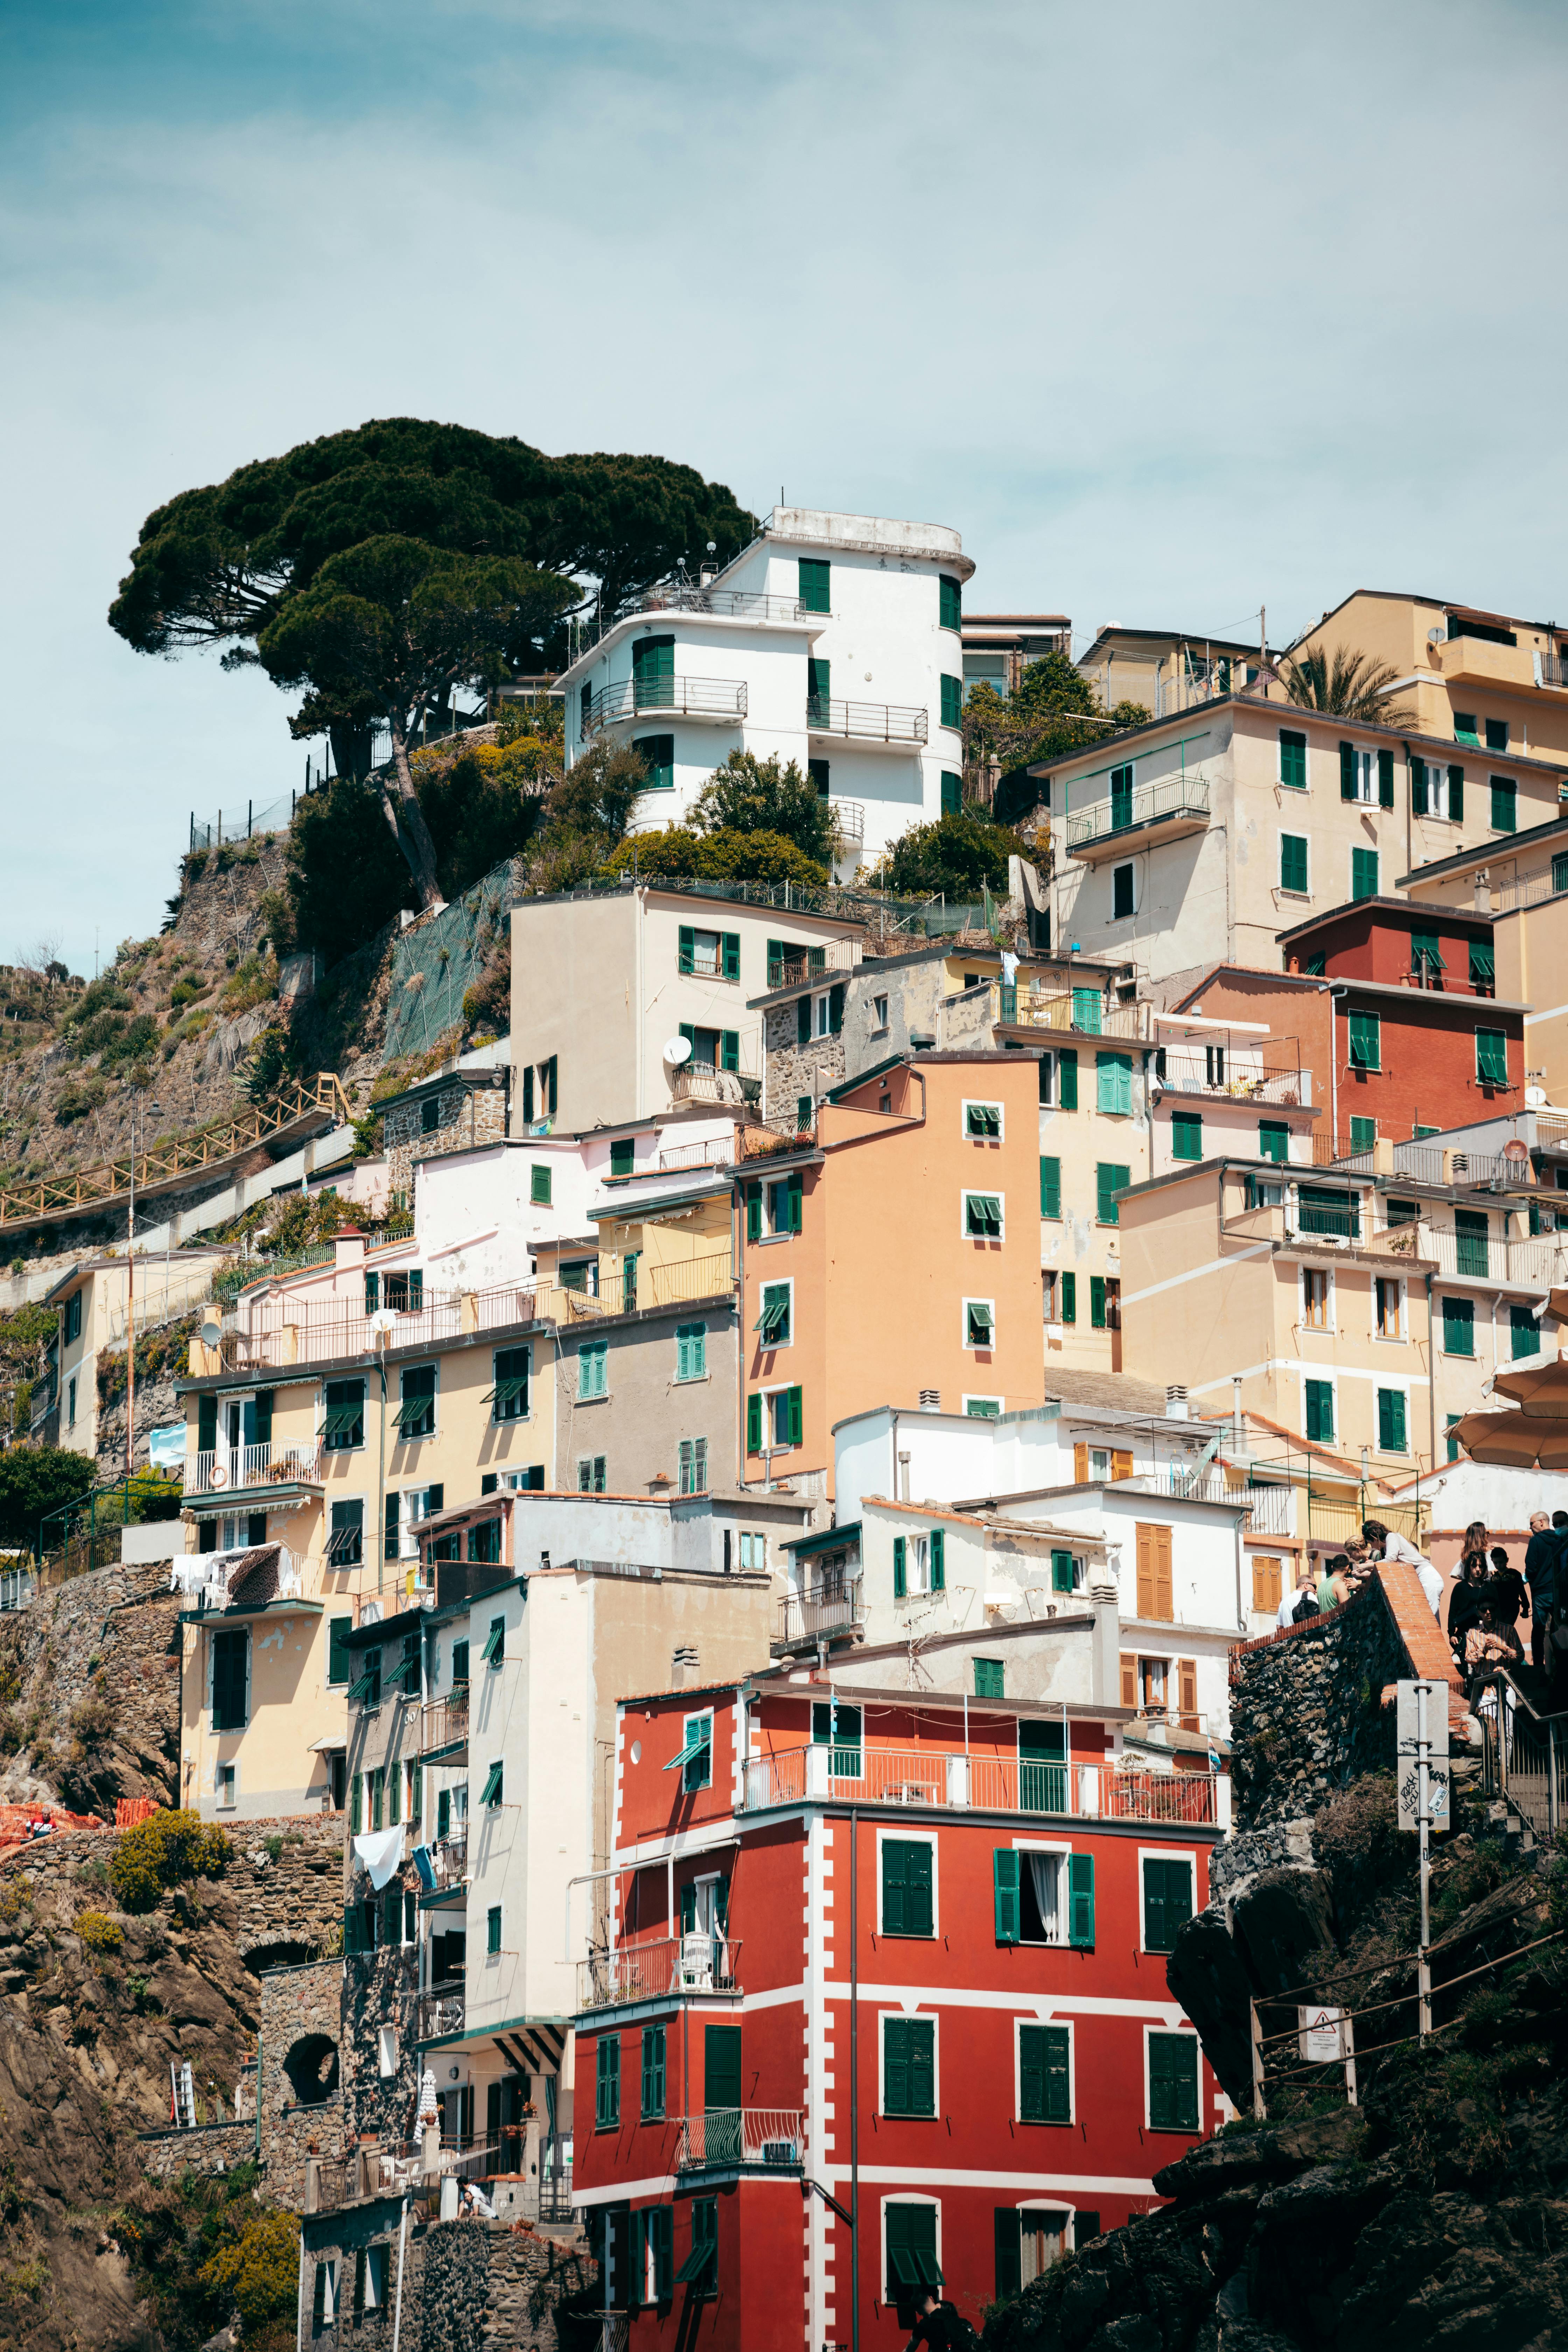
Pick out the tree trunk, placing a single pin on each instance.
(406, 819)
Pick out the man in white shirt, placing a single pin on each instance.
(1305, 1590)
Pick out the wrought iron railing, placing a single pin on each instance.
(441, 2010)
(1167, 798)
(996, 1783)
(675, 697)
(232, 1468)
(695, 1962)
(830, 1607)
(445, 1724)
(867, 722)
(727, 2135)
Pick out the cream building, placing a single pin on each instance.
(100, 1300)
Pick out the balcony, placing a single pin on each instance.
(1083, 1010)
(1538, 1265)
(444, 1870)
(444, 1728)
(935, 1776)
(1222, 1077)
(440, 2011)
(824, 1612)
(826, 963)
(695, 1962)
(1163, 811)
(242, 1469)
(729, 2137)
(719, 1152)
(1271, 1508)
(849, 817)
(719, 701)
(670, 1283)
(894, 724)
(712, 603)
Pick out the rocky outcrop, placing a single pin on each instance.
(89, 1680)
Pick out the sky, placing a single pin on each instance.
(1173, 313)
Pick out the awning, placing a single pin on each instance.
(368, 1682)
(826, 1539)
(491, 1793)
(511, 1391)
(330, 1747)
(495, 1640)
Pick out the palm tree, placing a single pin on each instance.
(1347, 686)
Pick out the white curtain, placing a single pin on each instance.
(1045, 1875)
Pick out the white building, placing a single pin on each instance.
(833, 640)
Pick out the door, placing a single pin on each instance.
(653, 673)
(1120, 798)
(1042, 1769)
(721, 2093)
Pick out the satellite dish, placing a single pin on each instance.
(678, 1050)
(1535, 1098)
(1515, 1149)
(211, 1333)
(1437, 636)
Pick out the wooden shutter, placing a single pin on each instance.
(1347, 772)
(920, 2043)
(1005, 1892)
(1128, 1680)
(1385, 779)
(898, 1577)
(688, 957)
(753, 1212)
(1062, 1572)
(1080, 1901)
(793, 1416)
(1120, 1464)
(1154, 1585)
(1031, 2074)
(917, 1889)
(895, 2066)
(937, 1561)
(1058, 2086)
(1418, 793)
(1145, 1602)
(1267, 1581)
(1067, 1289)
(1187, 1692)
(1066, 1079)
(1050, 1187)
(754, 1424)
(1080, 1465)
(1456, 794)
(731, 954)
(792, 1200)
(720, 2066)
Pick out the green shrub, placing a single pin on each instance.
(185, 991)
(99, 1932)
(261, 2271)
(168, 1848)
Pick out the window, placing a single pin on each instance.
(346, 1544)
(709, 955)
(978, 1323)
(1524, 1332)
(70, 1403)
(1050, 1188)
(1122, 895)
(774, 1324)
(1390, 1317)
(1268, 1576)
(815, 583)
(1274, 1141)
(508, 1397)
(952, 701)
(1505, 805)
(913, 2264)
(909, 2065)
(591, 1474)
(1390, 1421)
(417, 1408)
(700, 2271)
(623, 1155)
(1064, 1570)
(696, 1756)
(694, 1466)
(1364, 874)
(1293, 866)
(1113, 1084)
(691, 1351)
(1320, 1411)
(950, 603)
(1458, 1326)
(951, 793)
(338, 1630)
(1155, 1588)
(495, 1781)
(818, 690)
(982, 1216)
(821, 775)
(983, 1121)
(1472, 1256)
(539, 1185)
(73, 1317)
(658, 756)
(1437, 791)
(325, 2303)
(979, 1408)
(919, 1564)
(652, 2072)
(1315, 1299)
(653, 673)
(1067, 1299)
(492, 1930)
(607, 2084)
(1292, 760)
(593, 1369)
(1067, 1079)
(1109, 1178)
(783, 1208)
(1045, 2091)
(1121, 797)
(342, 1425)
(1496, 734)
(1366, 1040)
(430, 1114)
(906, 1904)
(1186, 1135)
(838, 1728)
(1167, 1902)
(1174, 2082)
(494, 1652)
(226, 1786)
(1491, 1057)
(988, 1678)
(1483, 968)
(1356, 774)
(753, 1551)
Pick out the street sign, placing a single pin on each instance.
(1320, 2038)
(1409, 1717)
(1410, 1794)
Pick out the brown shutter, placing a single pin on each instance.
(1187, 1692)
(1080, 1465)
(1266, 1580)
(1121, 1466)
(1164, 1590)
(1145, 1569)
(1128, 1681)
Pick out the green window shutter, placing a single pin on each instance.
(1274, 1141)
(1390, 1421)
(1113, 1083)
(793, 1201)
(686, 962)
(660, 2225)
(1067, 1289)
(937, 1561)
(1364, 874)
(1109, 1178)
(730, 1049)
(494, 1781)
(1364, 1134)
(1524, 1332)
(607, 2082)
(1174, 2082)
(539, 1187)
(1004, 1890)
(1293, 862)
(1320, 1412)
(731, 941)
(1043, 2074)
(1472, 1255)
(1009, 2252)
(1505, 805)
(1061, 1572)
(816, 585)
(952, 701)
(1456, 794)
(906, 1887)
(1088, 1005)
(1385, 779)
(835, 1009)
(951, 793)
(818, 683)
(803, 1021)
(653, 2071)
(1491, 1057)
(722, 2068)
(1097, 1302)
(950, 603)
(1167, 1902)
(1066, 1079)
(1347, 772)
(895, 2066)
(1366, 1040)
(753, 1212)
(1187, 1135)
(754, 1424)
(1292, 760)
(1080, 1902)
(338, 1630)
(356, 1804)
(793, 1417)
(1483, 964)
(494, 1651)
(1420, 798)
(1050, 1187)
(899, 1573)
(990, 1680)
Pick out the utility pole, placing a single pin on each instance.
(1423, 1793)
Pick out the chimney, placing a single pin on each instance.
(930, 1400)
(683, 1669)
(903, 1478)
(1176, 1402)
(1105, 1657)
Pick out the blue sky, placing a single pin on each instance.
(1171, 312)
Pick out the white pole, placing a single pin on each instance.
(397, 2308)
(1423, 1970)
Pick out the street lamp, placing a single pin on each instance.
(138, 1096)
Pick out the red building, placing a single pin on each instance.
(1420, 1042)
(899, 1961)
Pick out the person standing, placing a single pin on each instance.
(1540, 1564)
(1506, 1592)
(1294, 1610)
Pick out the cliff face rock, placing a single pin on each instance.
(90, 1692)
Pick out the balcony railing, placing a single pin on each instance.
(1000, 1784)
(822, 1612)
(1538, 1265)
(441, 2010)
(849, 816)
(448, 1860)
(718, 604)
(867, 722)
(444, 1727)
(1084, 1010)
(233, 1468)
(615, 2331)
(1271, 1508)
(810, 963)
(1167, 799)
(730, 2135)
(718, 1153)
(1224, 1079)
(668, 698)
(695, 1962)
(668, 1283)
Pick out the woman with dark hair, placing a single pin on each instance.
(1507, 1592)
(1467, 1602)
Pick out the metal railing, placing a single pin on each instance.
(1226, 1079)
(868, 722)
(1017, 1008)
(703, 1082)
(726, 2136)
(671, 1282)
(679, 596)
(1271, 1508)
(849, 816)
(236, 1468)
(448, 1859)
(695, 1962)
(1337, 1224)
(718, 1153)
(441, 2010)
(1530, 889)
(614, 2330)
(810, 962)
(998, 1784)
(1167, 798)
(1524, 1758)
(443, 1724)
(1537, 1264)
(829, 1607)
(677, 698)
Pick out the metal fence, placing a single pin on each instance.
(436, 963)
(244, 825)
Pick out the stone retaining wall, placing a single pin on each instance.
(93, 1688)
(1307, 1712)
(210, 2149)
(486, 2287)
(295, 2002)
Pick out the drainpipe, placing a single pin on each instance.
(1333, 1073)
(397, 2307)
(853, 2083)
(1431, 1381)
(299, 2313)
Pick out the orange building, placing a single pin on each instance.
(892, 1253)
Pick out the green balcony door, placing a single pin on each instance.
(1042, 1768)
(721, 2092)
(653, 673)
(1120, 798)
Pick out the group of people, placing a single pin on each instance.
(1490, 1598)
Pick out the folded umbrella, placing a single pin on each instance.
(1537, 1388)
(1515, 1441)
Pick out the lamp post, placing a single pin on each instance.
(138, 1096)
